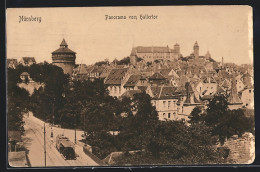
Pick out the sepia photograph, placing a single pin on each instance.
(130, 86)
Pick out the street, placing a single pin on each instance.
(34, 141)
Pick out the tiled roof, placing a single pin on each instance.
(11, 62)
(132, 81)
(142, 88)
(157, 76)
(63, 50)
(233, 97)
(130, 93)
(97, 69)
(29, 59)
(165, 72)
(226, 83)
(115, 76)
(81, 69)
(164, 92)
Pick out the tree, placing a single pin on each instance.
(100, 63)
(48, 101)
(196, 115)
(18, 99)
(225, 123)
(173, 142)
(142, 123)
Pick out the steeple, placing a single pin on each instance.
(208, 55)
(63, 44)
(233, 97)
(190, 97)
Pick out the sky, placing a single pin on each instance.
(224, 31)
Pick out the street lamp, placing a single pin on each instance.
(64, 95)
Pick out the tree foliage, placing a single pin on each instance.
(18, 99)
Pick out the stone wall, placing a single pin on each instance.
(242, 150)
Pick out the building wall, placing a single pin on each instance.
(166, 108)
(248, 98)
(240, 85)
(232, 107)
(150, 57)
(116, 90)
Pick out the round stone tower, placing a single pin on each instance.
(64, 58)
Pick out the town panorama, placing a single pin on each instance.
(154, 107)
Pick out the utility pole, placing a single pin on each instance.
(75, 128)
(44, 146)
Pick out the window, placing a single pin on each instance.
(169, 115)
(119, 90)
(164, 104)
(174, 114)
(174, 103)
(249, 91)
(169, 104)
(163, 114)
(115, 90)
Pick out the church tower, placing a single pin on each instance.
(196, 50)
(64, 58)
(133, 57)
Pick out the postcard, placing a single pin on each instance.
(130, 86)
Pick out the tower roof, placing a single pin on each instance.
(63, 48)
(190, 98)
(63, 43)
(233, 97)
(196, 44)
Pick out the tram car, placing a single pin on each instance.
(65, 147)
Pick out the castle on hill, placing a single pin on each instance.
(150, 54)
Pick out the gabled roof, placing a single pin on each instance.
(164, 92)
(97, 69)
(157, 76)
(25, 74)
(28, 59)
(165, 72)
(226, 84)
(130, 93)
(13, 62)
(132, 81)
(105, 72)
(142, 88)
(115, 76)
